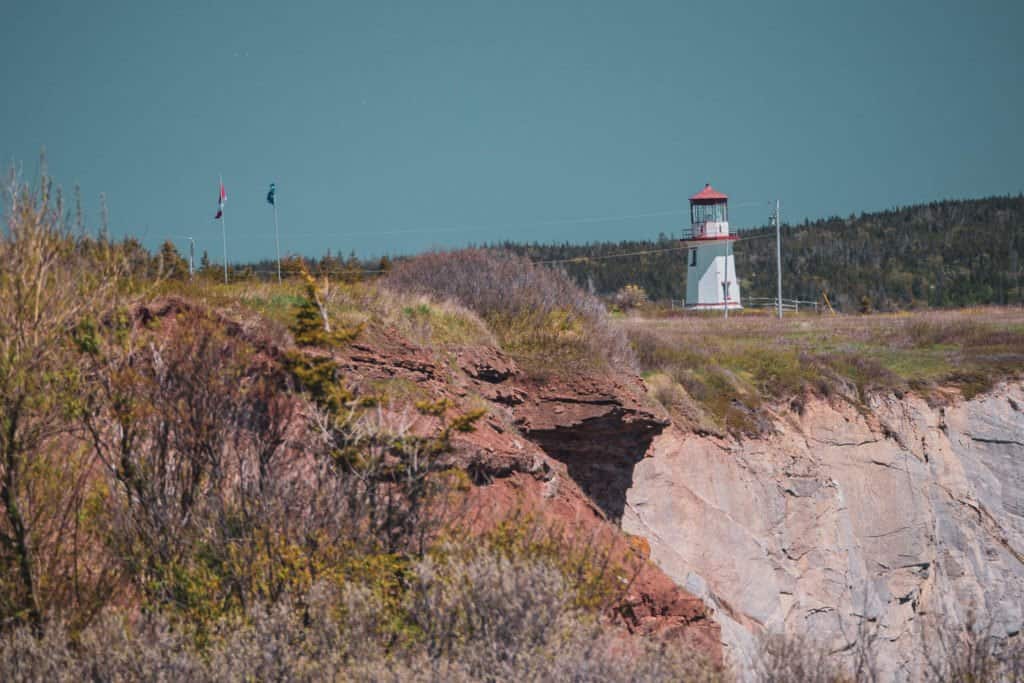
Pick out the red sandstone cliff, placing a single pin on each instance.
(561, 451)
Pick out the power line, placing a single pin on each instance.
(317, 271)
(584, 259)
(505, 226)
(552, 222)
(575, 259)
(585, 220)
(777, 217)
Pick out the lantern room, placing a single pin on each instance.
(709, 215)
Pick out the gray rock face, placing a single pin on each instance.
(845, 520)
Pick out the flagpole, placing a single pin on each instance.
(277, 241)
(224, 231)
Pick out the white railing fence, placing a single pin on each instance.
(793, 305)
(790, 305)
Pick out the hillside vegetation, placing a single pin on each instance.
(943, 254)
(192, 487)
(538, 314)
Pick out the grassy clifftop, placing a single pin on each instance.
(722, 371)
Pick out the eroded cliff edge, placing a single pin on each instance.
(880, 516)
(561, 451)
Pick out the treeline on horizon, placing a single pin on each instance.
(951, 253)
(943, 254)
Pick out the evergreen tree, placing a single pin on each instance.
(170, 263)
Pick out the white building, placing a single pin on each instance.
(711, 281)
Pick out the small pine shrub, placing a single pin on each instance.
(312, 326)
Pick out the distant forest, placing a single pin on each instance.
(943, 254)
(949, 253)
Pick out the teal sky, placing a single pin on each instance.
(391, 127)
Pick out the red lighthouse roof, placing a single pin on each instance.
(709, 194)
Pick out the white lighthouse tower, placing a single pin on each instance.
(711, 281)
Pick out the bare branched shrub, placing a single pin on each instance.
(335, 635)
(495, 617)
(783, 658)
(537, 312)
(227, 489)
(168, 418)
(52, 284)
(395, 482)
(971, 650)
(504, 609)
(109, 649)
(326, 635)
(861, 652)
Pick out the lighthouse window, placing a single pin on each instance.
(693, 257)
(701, 213)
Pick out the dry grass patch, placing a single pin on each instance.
(429, 322)
(731, 366)
(536, 313)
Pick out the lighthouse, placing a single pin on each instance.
(711, 281)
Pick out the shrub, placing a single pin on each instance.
(630, 296)
(595, 581)
(484, 619)
(795, 659)
(226, 490)
(970, 650)
(537, 313)
(483, 612)
(312, 325)
(54, 285)
(666, 391)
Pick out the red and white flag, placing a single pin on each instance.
(221, 199)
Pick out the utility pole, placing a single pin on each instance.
(272, 200)
(277, 242)
(725, 282)
(778, 254)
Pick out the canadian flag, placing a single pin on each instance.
(221, 199)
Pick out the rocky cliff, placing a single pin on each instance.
(842, 519)
(845, 520)
(558, 451)
(561, 451)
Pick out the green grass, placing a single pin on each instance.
(731, 368)
(396, 390)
